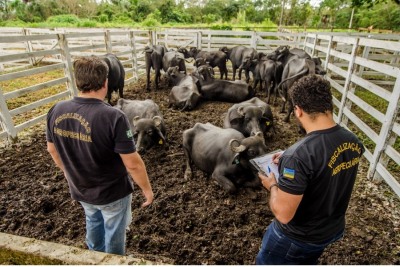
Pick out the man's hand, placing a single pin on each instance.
(267, 181)
(276, 157)
(149, 196)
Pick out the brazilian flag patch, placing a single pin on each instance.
(288, 173)
(129, 134)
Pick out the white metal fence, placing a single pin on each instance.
(363, 70)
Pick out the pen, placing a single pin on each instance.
(269, 170)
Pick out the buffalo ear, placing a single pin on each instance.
(135, 120)
(157, 121)
(235, 146)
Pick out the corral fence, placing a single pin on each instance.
(363, 70)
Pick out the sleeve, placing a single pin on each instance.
(294, 175)
(123, 138)
(49, 126)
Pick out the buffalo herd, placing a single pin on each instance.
(224, 153)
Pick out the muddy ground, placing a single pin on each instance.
(190, 222)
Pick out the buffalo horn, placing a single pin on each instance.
(236, 146)
(240, 110)
(135, 120)
(157, 120)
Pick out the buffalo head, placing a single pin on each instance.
(148, 132)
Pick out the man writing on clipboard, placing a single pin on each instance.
(316, 178)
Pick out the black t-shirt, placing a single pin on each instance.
(322, 167)
(89, 135)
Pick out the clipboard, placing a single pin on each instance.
(265, 165)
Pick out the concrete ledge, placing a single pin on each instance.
(64, 254)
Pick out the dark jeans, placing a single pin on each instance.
(278, 249)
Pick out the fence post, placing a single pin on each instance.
(134, 55)
(153, 37)
(386, 129)
(365, 54)
(344, 102)
(328, 53)
(6, 120)
(253, 41)
(314, 45)
(199, 39)
(29, 48)
(68, 69)
(107, 40)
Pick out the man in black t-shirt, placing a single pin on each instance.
(316, 178)
(91, 142)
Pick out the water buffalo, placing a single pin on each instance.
(300, 53)
(153, 59)
(241, 58)
(250, 117)
(265, 71)
(172, 59)
(294, 70)
(185, 94)
(222, 90)
(116, 75)
(223, 153)
(146, 120)
(213, 58)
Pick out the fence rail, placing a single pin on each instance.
(358, 66)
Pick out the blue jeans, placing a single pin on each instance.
(106, 225)
(278, 249)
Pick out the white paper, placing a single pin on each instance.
(266, 165)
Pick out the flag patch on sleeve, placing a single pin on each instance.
(129, 134)
(288, 173)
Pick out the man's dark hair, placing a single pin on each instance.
(90, 73)
(312, 93)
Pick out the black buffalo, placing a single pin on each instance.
(222, 90)
(250, 117)
(116, 75)
(223, 153)
(146, 120)
(293, 71)
(241, 58)
(212, 58)
(185, 94)
(154, 59)
(265, 71)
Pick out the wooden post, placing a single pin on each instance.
(134, 55)
(386, 130)
(66, 58)
(344, 102)
(6, 120)
(253, 41)
(29, 48)
(107, 39)
(199, 40)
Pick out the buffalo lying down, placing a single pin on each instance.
(146, 120)
(185, 94)
(222, 90)
(223, 153)
(250, 117)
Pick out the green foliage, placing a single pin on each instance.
(86, 23)
(64, 19)
(209, 18)
(223, 26)
(382, 14)
(152, 20)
